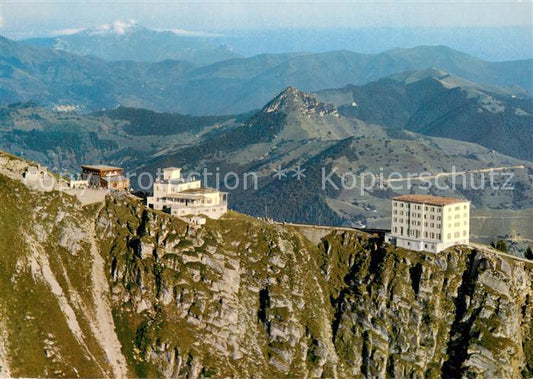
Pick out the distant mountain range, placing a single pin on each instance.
(124, 41)
(435, 103)
(51, 77)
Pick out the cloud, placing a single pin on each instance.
(121, 26)
(190, 33)
(67, 31)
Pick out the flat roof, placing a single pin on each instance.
(429, 199)
(177, 181)
(199, 190)
(100, 167)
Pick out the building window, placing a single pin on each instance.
(464, 232)
(449, 235)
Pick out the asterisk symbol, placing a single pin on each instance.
(280, 172)
(298, 173)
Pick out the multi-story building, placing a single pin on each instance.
(430, 223)
(103, 176)
(185, 197)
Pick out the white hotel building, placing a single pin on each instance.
(429, 223)
(186, 197)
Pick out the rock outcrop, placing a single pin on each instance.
(114, 289)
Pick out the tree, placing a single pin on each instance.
(529, 253)
(500, 245)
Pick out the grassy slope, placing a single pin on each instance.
(35, 319)
(345, 306)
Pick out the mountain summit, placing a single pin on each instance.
(293, 100)
(295, 115)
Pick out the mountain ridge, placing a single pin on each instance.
(241, 297)
(124, 41)
(53, 77)
(435, 103)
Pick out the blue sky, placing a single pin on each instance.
(33, 18)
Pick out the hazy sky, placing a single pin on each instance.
(27, 18)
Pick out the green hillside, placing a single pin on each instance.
(115, 290)
(125, 136)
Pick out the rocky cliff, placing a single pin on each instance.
(113, 290)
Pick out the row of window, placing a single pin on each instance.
(416, 233)
(456, 234)
(416, 206)
(417, 215)
(457, 216)
(416, 222)
(430, 208)
(458, 224)
(432, 235)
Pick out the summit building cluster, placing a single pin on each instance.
(185, 196)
